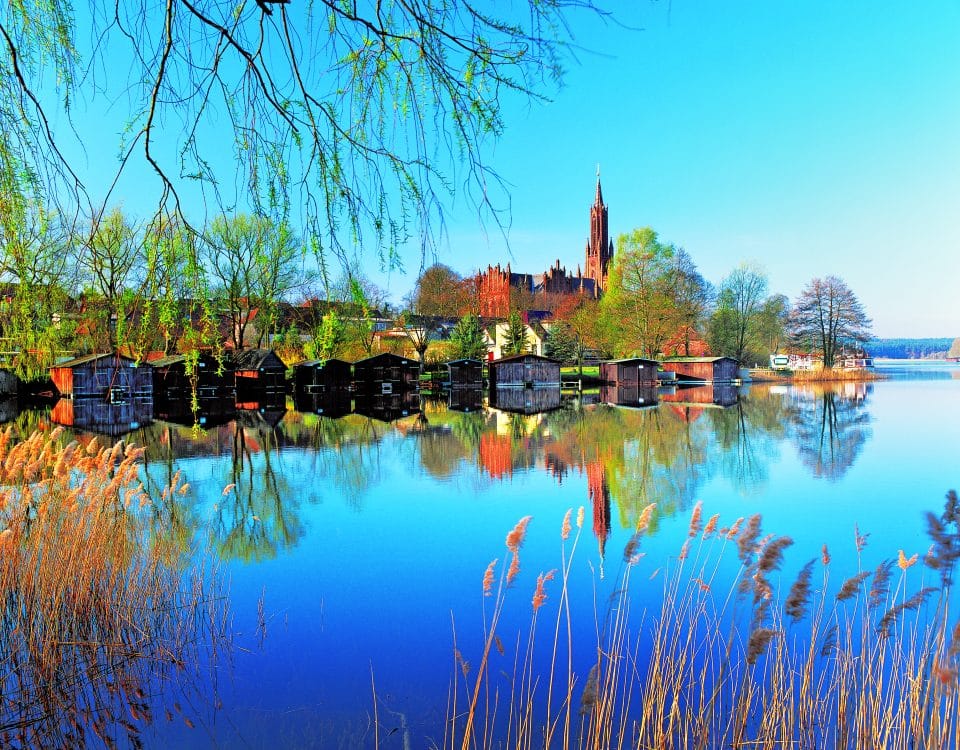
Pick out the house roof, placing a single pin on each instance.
(87, 359)
(627, 360)
(514, 357)
(696, 359)
(385, 356)
(254, 359)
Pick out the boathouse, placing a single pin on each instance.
(322, 376)
(704, 369)
(465, 373)
(203, 394)
(629, 372)
(260, 376)
(386, 373)
(111, 378)
(524, 371)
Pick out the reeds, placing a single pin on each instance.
(96, 608)
(871, 661)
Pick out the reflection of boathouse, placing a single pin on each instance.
(524, 371)
(704, 369)
(629, 372)
(260, 377)
(319, 376)
(710, 394)
(333, 404)
(525, 400)
(634, 396)
(465, 399)
(384, 374)
(95, 415)
(389, 406)
(465, 373)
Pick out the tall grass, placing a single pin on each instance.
(864, 660)
(100, 620)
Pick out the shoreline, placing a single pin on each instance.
(764, 375)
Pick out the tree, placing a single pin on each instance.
(640, 308)
(561, 343)
(359, 115)
(827, 317)
(251, 262)
(111, 266)
(692, 295)
(771, 326)
(468, 339)
(516, 335)
(327, 338)
(440, 292)
(736, 317)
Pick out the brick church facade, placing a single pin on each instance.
(494, 286)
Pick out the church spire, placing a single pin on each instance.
(599, 200)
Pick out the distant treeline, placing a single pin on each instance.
(908, 348)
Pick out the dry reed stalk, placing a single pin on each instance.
(86, 600)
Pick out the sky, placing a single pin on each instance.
(813, 138)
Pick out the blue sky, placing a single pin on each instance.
(814, 138)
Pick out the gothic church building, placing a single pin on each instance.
(495, 284)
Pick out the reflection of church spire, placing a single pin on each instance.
(599, 494)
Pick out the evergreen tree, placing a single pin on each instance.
(516, 336)
(561, 343)
(468, 339)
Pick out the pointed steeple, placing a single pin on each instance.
(599, 200)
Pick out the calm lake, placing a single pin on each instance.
(355, 549)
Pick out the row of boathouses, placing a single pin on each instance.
(259, 374)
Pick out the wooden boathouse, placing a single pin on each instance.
(315, 376)
(465, 373)
(629, 372)
(110, 378)
(524, 371)
(178, 389)
(525, 400)
(385, 374)
(260, 376)
(94, 415)
(704, 369)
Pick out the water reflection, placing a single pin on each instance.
(832, 424)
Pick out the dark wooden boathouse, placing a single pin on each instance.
(207, 394)
(524, 371)
(465, 373)
(629, 372)
(322, 376)
(260, 376)
(704, 369)
(384, 374)
(110, 378)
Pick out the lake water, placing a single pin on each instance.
(355, 549)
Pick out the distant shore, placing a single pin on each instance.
(766, 375)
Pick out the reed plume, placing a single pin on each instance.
(799, 597)
(695, 523)
(747, 540)
(851, 586)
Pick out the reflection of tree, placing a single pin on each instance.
(259, 516)
(747, 436)
(831, 427)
